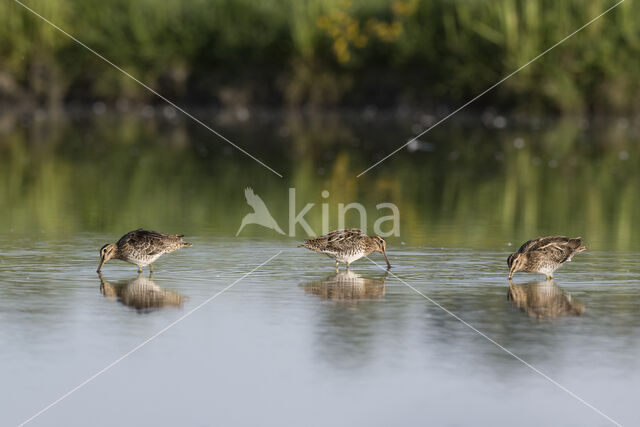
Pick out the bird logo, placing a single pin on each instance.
(260, 214)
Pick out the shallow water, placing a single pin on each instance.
(293, 343)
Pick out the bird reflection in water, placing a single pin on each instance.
(140, 293)
(347, 286)
(543, 299)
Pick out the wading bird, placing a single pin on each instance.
(141, 247)
(544, 255)
(347, 245)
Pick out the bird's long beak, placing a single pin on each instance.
(511, 271)
(386, 259)
(102, 261)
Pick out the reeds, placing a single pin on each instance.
(332, 52)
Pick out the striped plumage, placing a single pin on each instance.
(347, 245)
(544, 255)
(141, 247)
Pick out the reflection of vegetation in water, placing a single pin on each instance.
(473, 187)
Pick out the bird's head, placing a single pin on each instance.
(516, 262)
(107, 252)
(381, 246)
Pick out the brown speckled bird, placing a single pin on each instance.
(347, 245)
(141, 247)
(544, 255)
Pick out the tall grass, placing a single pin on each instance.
(326, 52)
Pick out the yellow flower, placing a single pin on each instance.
(353, 30)
(396, 29)
(341, 48)
(360, 41)
(323, 22)
(404, 8)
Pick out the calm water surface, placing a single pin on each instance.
(294, 343)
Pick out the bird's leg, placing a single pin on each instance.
(551, 276)
(347, 266)
(151, 268)
(337, 266)
(139, 270)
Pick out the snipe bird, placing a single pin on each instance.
(347, 245)
(141, 247)
(544, 255)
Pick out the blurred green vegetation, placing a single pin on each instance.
(325, 52)
(474, 188)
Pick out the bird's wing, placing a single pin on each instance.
(346, 235)
(145, 241)
(541, 242)
(557, 248)
(336, 239)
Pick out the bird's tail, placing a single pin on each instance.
(184, 244)
(180, 238)
(578, 248)
(576, 245)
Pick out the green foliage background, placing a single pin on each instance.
(325, 52)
